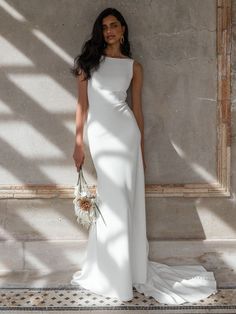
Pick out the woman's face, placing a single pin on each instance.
(112, 29)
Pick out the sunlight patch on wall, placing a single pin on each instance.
(203, 172)
(7, 176)
(31, 147)
(60, 172)
(5, 235)
(229, 258)
(179, 150)
(12, 11)
(56, 218)
(37, 262)
(4, 108)
(53, 46)
(233, 198)
(11, 56)
(210, 221)
(45, 91)
(70, 125)
(196, 167)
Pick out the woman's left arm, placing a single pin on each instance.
(136, 99)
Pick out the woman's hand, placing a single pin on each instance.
(78, 156)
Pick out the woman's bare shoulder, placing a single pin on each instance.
(137, 67)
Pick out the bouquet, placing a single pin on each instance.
(85, 204)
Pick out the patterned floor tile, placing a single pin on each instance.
(77, 298)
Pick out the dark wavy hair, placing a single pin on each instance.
(92, 49)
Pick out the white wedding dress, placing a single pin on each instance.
(117, 253)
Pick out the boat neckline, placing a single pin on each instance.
(117, 58)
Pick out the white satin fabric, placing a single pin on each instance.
(117, 253)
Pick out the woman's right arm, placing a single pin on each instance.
(81, 115)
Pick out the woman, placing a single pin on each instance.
(117, 253)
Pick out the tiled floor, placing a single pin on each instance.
(119, 312)
(74, 299)
(47, 292)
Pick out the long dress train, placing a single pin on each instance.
(117, 253)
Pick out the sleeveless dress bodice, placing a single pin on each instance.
(107, 92)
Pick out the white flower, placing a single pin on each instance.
(86, 205)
